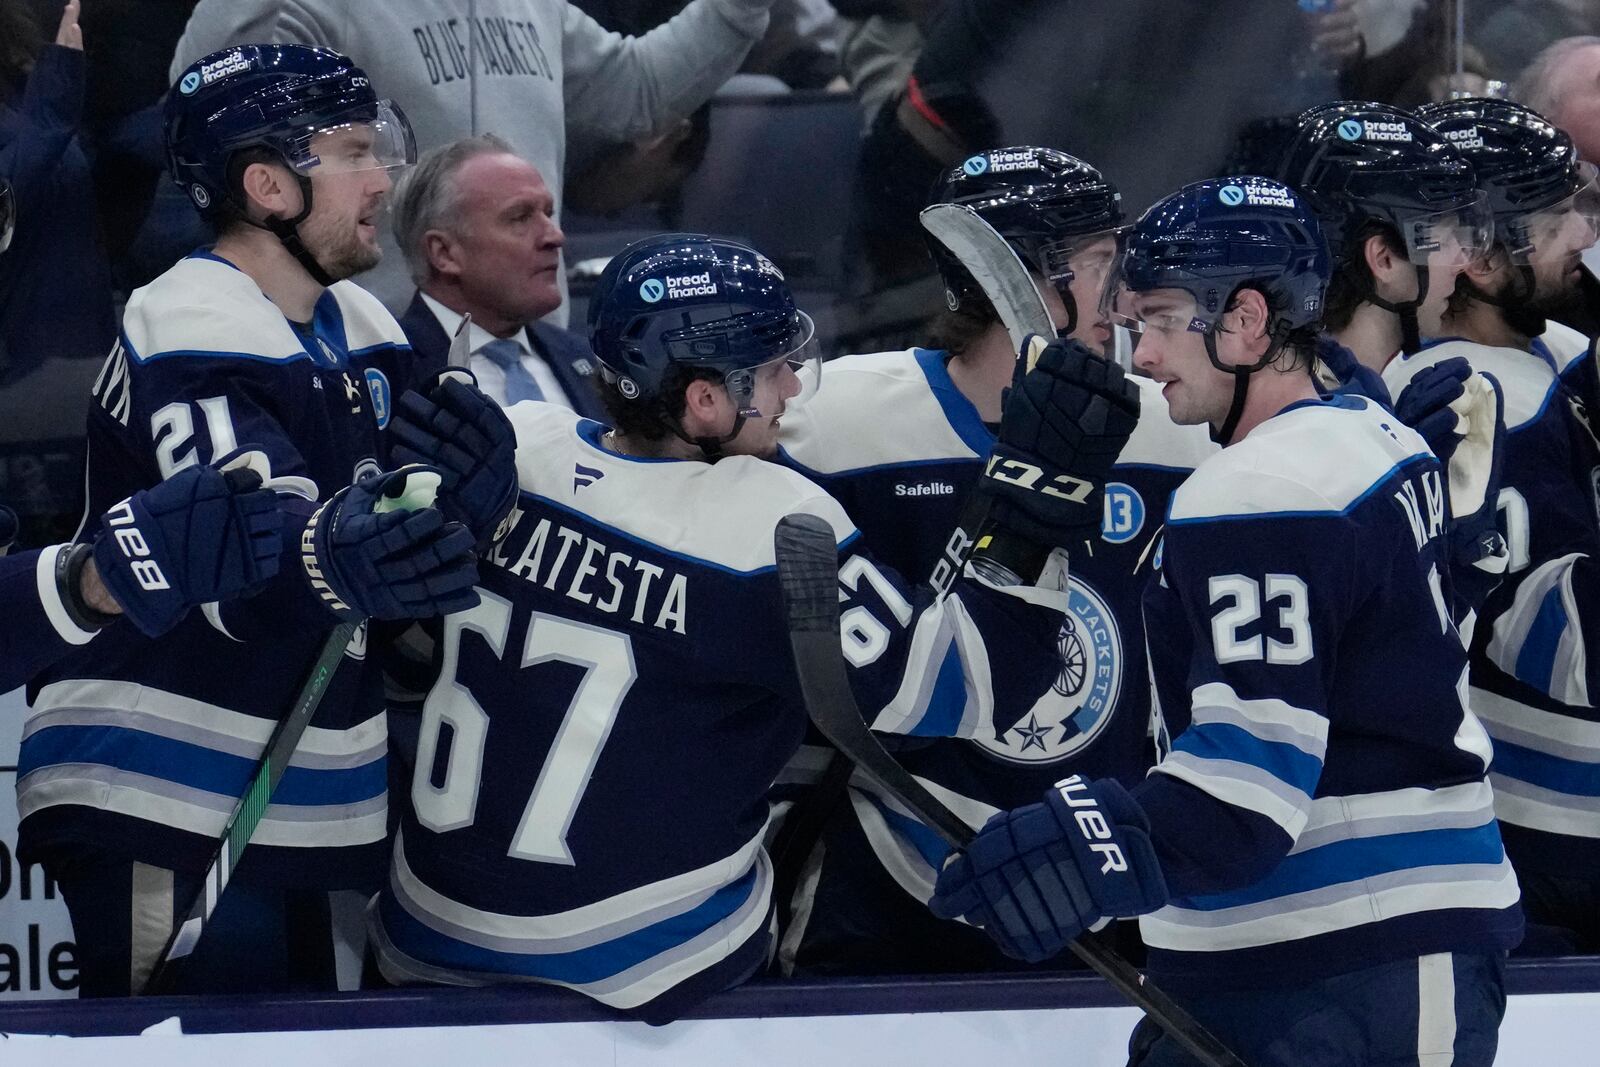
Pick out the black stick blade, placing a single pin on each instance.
(808, 570)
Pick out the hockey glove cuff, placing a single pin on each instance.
(1037, 877)
(453, 426)
(378, 548)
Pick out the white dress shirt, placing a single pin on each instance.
(491, 379)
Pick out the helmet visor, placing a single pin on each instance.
(383, 142)
(1086, 257)
(1571, 225)
(766, 385)
(1454, 237)
(1169, 311)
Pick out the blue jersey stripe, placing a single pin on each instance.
(1367, 857)
(929, 845)
(947, 701)
(1573, 777)
(1536, 659)
(194, 766)
(593, 964)
(1225, 741)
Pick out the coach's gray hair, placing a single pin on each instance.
(1535, 86)
(427, 198)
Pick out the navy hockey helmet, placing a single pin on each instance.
(1356, 163)
(1208, 240)
(1528, 169)
(277, 97)
(8, 214)
(695, 302)
(1045, 203)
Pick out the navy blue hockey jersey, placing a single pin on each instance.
(1324, 805)
(1534, 684)
(141, 747)
(892, 438)
(37, 630)
(591, 786)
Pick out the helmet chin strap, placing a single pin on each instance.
(710, 447)
(1410, 332)
(287, 231)
(1223, 435)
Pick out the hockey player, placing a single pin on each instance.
(1402, 218)
(200, 537)
(1316, 860)
(630, 629)
(900, 439)
(1532, 679)
(134, 752)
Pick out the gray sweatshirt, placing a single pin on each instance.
(526, 70)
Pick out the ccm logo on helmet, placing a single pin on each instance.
(1091, 824)
(1016, 472)
(131, 543)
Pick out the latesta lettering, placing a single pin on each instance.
(571, 563)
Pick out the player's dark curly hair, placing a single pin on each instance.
(1352, 281)
(955, 331)
(1299, 348)
(644, 419)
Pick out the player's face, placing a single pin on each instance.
(1444, 267)
(507, 244)
(1559, 240)
(347, 196)
(1090, 263)
(775, 384)
(1175, 356)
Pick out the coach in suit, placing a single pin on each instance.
(476, 224)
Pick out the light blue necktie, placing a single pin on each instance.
(507, 355)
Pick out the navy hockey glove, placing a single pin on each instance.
(1063, 424)
(1037, 877)
(1427, 405)
(202, 535)
(378, 548)
(454, 426)
(1350, 375)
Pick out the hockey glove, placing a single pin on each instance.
(1037, 877)
(453, 426)
(1473, 471)
(1063, 424)
(378, 548)
(202, 535)
(1350, 376)
(1429, 401)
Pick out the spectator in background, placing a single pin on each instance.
(1563, 84)
(477, 227)
(525, 69)
(55, 285)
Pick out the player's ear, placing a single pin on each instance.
(1380, 258)
(702, 402)
(269, 190)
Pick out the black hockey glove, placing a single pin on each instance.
(1062, 426)
(451, 425)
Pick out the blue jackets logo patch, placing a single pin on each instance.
(378, 387)
(1069, 717)
(1124, 514)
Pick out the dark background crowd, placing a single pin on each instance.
(819, 150)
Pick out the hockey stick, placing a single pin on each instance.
(249, 809)
(1000, 273)
(808, 561)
